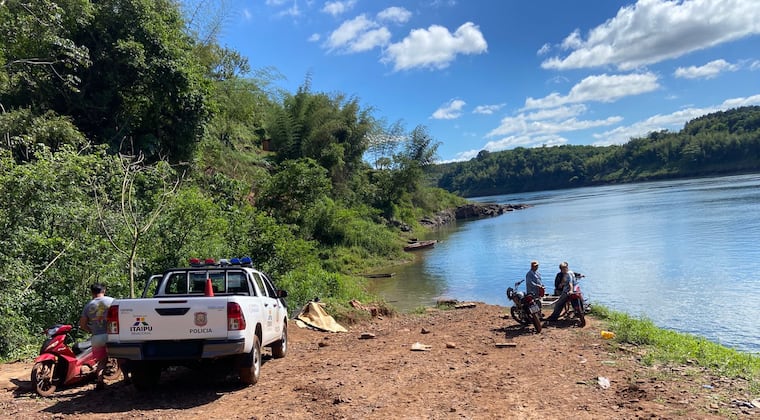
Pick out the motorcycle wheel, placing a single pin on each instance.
(515, 312)
(581, 319)
(537, 323)
(43, 378)
(112, 371)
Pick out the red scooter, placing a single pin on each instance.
(59, 365)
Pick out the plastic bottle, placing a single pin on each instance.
(607, 335)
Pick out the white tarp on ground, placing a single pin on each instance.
(313, 315)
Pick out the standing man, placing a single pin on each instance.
(93, 320)
(533, 279)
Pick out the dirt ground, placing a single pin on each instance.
(464, 374)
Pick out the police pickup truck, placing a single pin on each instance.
(210, 313)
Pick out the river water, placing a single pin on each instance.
(685, 254)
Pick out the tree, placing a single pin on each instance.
(294, 190)
(331, 130)
(144, 193)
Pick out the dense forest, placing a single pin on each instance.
(132, 141)
(719, 143)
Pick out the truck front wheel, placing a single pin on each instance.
(280, 347)
(251, 366)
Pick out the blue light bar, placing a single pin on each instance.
(246, 261)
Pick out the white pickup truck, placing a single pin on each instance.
(209, 313)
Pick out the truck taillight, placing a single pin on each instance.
(235, 317)
(112, 320)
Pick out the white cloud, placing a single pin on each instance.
(655, 30)
(336, 8)
(600, 88)
(487, 109)
(451, 110)
(510, 143)
(357, 34)
(435, 47)
(275, 2)
(314, 38)
(526, 125)
(540, 128)
(544, 49)
(755, 65)
(708, 71)
(291, 11)
(371, 39)
(673, 122)
(395, 14)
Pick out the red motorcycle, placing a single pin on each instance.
(59, 365)
(576, 307)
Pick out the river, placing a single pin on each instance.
(685, 254)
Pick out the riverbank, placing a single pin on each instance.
(467, 371)
(468, 211)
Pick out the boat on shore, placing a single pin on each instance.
(378, 275)
(417, 245)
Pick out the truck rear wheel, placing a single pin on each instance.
(251, 367)
(280, 347)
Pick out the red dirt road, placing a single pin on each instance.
(464, 374)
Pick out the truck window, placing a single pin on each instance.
(218, 281)
(270, 288)
(176, 284)
(236, 282)
(198, 281)
(259, 283)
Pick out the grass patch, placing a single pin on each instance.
(667, 346)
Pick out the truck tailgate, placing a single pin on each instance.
(173, 318)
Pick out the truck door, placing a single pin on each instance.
(269, 329)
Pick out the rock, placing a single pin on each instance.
(425, 331)
(469, 211)
(420, 347)
(366, 336)
(451, 345)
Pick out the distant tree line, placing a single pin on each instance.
(715, 144)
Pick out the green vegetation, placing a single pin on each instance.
(665, 346)
(716, 144)
(132, 141)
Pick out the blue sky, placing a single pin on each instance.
(495, 75)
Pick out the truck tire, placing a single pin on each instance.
(145, 375)
(251, 366)
(280, 347)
